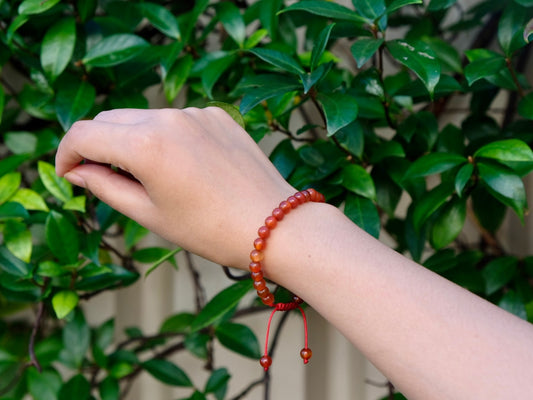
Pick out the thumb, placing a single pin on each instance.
(124, 194)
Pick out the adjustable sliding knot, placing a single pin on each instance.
(255, 267)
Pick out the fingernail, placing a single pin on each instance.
(75, 179)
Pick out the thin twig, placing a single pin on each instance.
(229, 274)
(31, 345)
(199, 291)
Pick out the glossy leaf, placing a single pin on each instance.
(505, 186)
(320, 45)
(449, 223)
(219, 305)
(513, 303)
(13, 265)
(278, 59)
(73, 102)
(418, 57)
(218, 379)
(264, 87)
(437, 5)
(43, 385)
(434, 163)
(397, 4)
(463, 176)
(177, 76)
(12, 210)
(36, 6)
(285, 158)
(161, 18)
(9, 184)
(510, 29)
(115, 49)
(58, 46)
(77, 387)
(167, 372)
(429, 203)
(364, 48)
(525, 106)
(58, 187)
(488, 210)
(214, 70)
(498, 273)
(62, 237)
(238, 338)
(339, 109)
(76, 340)
(77, 203)
(363, 213)
(447, 54)
(64, 302)
(370, 9)
(109, 389)
(179, 323)
(233, 22)
(357, 180)
(514, 153)
(483, 68)
(328, 10)
(18, 239)
(133, 233)
(167, 256)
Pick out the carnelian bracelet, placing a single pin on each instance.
(257, 256)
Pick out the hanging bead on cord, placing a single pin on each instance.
(256, 257)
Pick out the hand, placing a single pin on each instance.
(197, 178)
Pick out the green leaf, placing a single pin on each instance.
(370, 9)
(514, 153)
(167, 372)
(57, 47)
(528, 31)
(9, 184)
(78, 387)
(437, 5)
(178, 323)
(219, 305)
(340, 110)
(463, 176)
(168, 256)
(36, 6)
(231, 109)
(449, 223)
(488, 210)
(498, 273)
(418, 57)
(510, 33)
(43, 385)
(76, 204)
(525, 106)
(278, 59)
(320, 45)
(13, 210)
(111, 275)
(13, 265)
(21, 142)
(255, 38)
(233, 22)
(29, 199)
(357, 180)
(397, 4)
(62, 238)
(76, 340)
(505, 185)
(109, 389)
(86, 9)
(429, 203)
(328, 10)
(513, 303)
(64, 302)
(264, 87)
(73, 102)
(161, 18)
(363, 213)
(133, 233)
(196, 344)
(115, 49)
(58, 187)
(177, 76)
(447, 54)
(483, 68)
(18, 239)
(217, 380)
(238, 338)
(364, 48)
(214, 70)
(285, 158)
(434, 163)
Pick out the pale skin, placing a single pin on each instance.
(201, 182)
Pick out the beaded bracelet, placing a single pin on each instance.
(257, 256)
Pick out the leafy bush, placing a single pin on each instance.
(364, 126)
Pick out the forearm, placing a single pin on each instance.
(429, 336)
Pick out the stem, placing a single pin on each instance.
(199, 291)
(35, 330)
(229, 274)
(519, 87)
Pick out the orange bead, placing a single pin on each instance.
(271, 222)
(306, 354)
(259, 285)
(265, 362)
(300, 197)
(264, 293)
(268, 300)
(278, 214)
(263, 232)
(256, 255)
(255, 267)
(259, 244)
(307, 195)
(293, 201)
(285, 206)
(313, 193)
(321, 198)
(297, 299)
(257, 276)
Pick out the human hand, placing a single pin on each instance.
(199, 180)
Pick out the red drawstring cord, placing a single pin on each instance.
(305, 353)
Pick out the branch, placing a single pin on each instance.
(199, 291)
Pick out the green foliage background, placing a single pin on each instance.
(372, 133)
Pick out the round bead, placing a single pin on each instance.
(259, 285)
(313, 193)
(255, 267)
(256, 255)
(257, 276)
(321, 198)
(278, 213)
(293, 201)
(271, 222)
(259, 244)
(265, 362)
(285, 206)
(300, 197)
(268, 300)
(306, 354)
(307, 195)
(297, 299)
(263, 232)
(264, 293)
